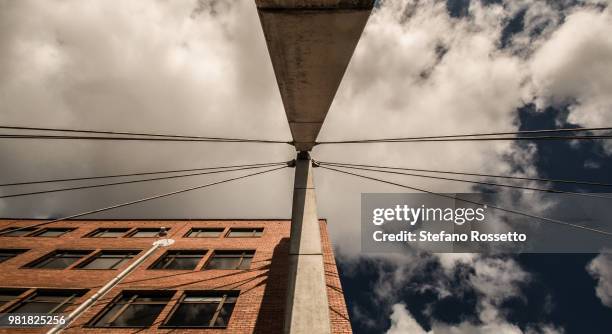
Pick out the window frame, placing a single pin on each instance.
(18, 296)
(93, 233)
(96, 255)
(35, 264)
(224, 295)
(253, 234)
(135, 231)
(75, 295)
(134, 295)
(18, 251)
(27, 231)
(228, 253)
(191, 231)
(193, 254)
(43, 230)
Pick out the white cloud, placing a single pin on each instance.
(574, 67)
(494, 280)
(601, 269)
(182, 67)
(417, 71)
(403, 322)
(590, 164)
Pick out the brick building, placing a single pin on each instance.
(220, 276)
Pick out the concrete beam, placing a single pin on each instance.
(307, 307)
(310, 45)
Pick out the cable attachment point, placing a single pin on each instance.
(303, 155)
(291, 163)
(315, 163)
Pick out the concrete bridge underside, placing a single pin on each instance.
(310, 45)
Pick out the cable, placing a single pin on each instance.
(475, 174)
(549, 220)
(418, 140)
(203, 139)
(142, 200)
(132, 181)
(127, 133)
(469, 135)
(133, 174)
(477, 182)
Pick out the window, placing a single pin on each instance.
(245, 232)
(146, 232)
(8, 295)
(133, 309)
(201, 309)
(51, 232)
(7, 254)
(109, 259)
(18, 233)
(205, 232)
(231, 260)
(108, 233)
(47, 301)
(179, 259)
(59, 259)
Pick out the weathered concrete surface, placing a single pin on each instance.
(331, 4)
(307, 307)
(310, 44)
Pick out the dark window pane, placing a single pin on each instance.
(162, 298)
(205, 232)
(199, 309)
(109, 233)
(52, 232)
(109, 260)
(60, 260)
(19, 233)
(47, 301)
(110, 314)
(35, 307)
(246, 263)
(230, 260)
(132, 310)
(6, 254)
(202, 299)
(177, 263)
(193, 315)
(224, 315)
(137, 315)
(223, 263)
(245, 232)
(179, 260)
(102, 263)
(59, 263)
(185, 263)
(7, 295)
(146, 233)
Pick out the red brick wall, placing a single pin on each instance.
(260, 305)
(338, 313)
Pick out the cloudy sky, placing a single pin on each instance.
(421, 68)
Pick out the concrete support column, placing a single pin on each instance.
(307, 308)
